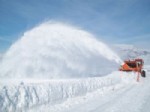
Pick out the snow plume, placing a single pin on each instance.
(57, 50)
(1, 57)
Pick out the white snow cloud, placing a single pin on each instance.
(56, 50)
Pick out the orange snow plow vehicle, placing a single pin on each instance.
(135, 65)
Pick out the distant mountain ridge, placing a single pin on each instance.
(131, 52)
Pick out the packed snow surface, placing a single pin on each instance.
(16, 96)
(126, 95)
(57, 50)
(132, 97)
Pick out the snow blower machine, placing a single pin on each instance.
(135, 65)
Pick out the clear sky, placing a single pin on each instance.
(113, 21)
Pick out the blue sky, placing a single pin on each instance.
(112, 21)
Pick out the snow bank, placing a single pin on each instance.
(15, 96)
(56, 50)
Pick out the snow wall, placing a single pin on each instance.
(57, 50)
(19, 97)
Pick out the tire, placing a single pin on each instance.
(143, 73)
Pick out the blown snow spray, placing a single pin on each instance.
(57, 50)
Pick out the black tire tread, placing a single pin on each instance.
(143, 73)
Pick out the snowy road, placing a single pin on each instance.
(129, 99)
(116, 92)
(132, 98)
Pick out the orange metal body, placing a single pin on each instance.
(132, 65)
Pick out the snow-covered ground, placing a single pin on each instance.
(116, 92)
(131, 98)
(124, 96)
(31, 94)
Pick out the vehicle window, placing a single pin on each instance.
(132, 65)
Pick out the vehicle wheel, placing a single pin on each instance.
(143, 74)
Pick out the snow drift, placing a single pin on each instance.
(18, 97)
(56, 50)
